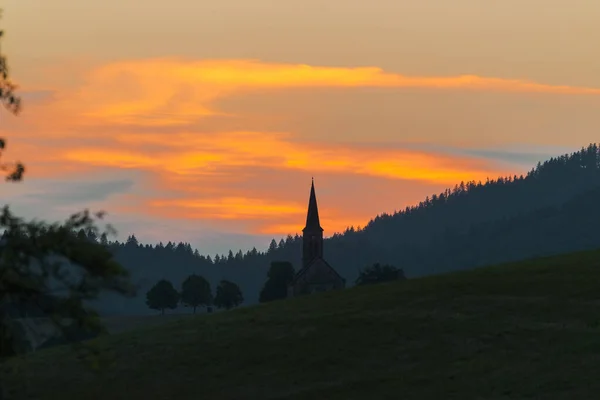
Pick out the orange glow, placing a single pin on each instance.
(254, 73)
(229, 208)
(198, 154)
(113, 158)
(186, 160)
(148, 115)
(177, 92)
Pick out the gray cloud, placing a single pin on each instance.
(529, 159)
(523, 156)
(63, 193)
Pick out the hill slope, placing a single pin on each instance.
(524, 330)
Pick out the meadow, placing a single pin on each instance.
(529, 329)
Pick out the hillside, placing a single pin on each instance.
(549, 210)
(523, 330)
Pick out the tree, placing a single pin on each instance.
(195, 291)
(132, 241)
(12, 102)
(279, 277)
(379, 273)
(162, 295)
(228, 295)
(53, 269)
(272, 246)
(48, 266)
(239, 256)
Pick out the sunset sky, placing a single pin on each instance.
(203, 121)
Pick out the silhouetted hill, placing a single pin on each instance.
(521, 331)
(551, 209)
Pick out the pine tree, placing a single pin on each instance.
(272, 246)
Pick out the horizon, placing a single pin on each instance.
(120, 238)
(184, 133)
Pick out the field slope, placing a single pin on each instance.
(525, 330)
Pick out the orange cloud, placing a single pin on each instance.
(188, 154)
(176, 92)
(229, 208)
(183, 163)
(257, 74)
(92, 126)
(267, 216)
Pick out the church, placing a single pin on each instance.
(316, 275)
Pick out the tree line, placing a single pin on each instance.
(549, 183)
(195, 292)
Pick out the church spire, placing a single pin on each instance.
(312, 234)
(312, 217)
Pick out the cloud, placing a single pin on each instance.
(54, 200)
(230, 208)
(524, 158)
(256, 74)
(65, 192)
(178, 92)
(148, 117)
(59, 194)
(522, 155)
(198, 176)
(197, 155)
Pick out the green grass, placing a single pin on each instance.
(525, 330)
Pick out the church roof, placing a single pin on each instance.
(315, 260)
(312, 217)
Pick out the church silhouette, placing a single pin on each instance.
(316, 275)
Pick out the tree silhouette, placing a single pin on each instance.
(378, 273)
(279, 277)
(228, 295)
(162, 296)
(48, 267)
(195, 291)
(272, 246)
(12, 103)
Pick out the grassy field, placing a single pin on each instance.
(520, 331)
(121, 324)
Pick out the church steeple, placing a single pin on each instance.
(312, 217)
(312, 234)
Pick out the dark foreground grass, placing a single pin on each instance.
(119, 324)
(526, 330)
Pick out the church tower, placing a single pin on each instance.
(316, 275)
(312, 234)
